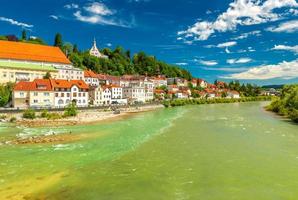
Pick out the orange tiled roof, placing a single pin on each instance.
(36, 85)
(68, 84)
(31, 52)
(89, 74)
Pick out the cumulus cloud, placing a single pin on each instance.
(239, 61)
(239, 13)
(99, 13)
(287, 27)
(208, 62)
(286, 48)
(16, 23)
(99, 9)
(283, 70)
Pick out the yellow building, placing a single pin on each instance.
(38, 93)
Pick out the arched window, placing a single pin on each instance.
(60, 102)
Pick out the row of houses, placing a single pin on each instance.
(27, 64)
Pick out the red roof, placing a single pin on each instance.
(36, 85)
(90, 74)
(32, 52)
(68, 84)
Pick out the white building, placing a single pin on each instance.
(70, 91)
(95, 52)
(134, 93)
(233, 95)
(159, 81)
(91, 78)
(68, 72)
(101, 96)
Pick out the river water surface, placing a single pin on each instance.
(224, 151)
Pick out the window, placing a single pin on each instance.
(60, 102)
(35, 101)
(68, 94)
(35, 94)
(62, 94)
(46, 94)
(57, 94)
(22, 94)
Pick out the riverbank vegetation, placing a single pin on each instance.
(287, 104)
(5, 93)
(198, 101)
(70, 111)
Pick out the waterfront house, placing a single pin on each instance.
(182, 94)
(101, 95)
(36, 94)
(91, 78)
(233, 94)
(70, 91)
(159, 81)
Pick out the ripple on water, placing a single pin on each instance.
(28, 132)
(64, 147)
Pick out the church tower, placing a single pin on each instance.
(95, 52)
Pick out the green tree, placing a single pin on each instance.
(47, 75)
(71, 110)
(58, 41)
(24, 35)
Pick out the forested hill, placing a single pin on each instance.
(120, 61)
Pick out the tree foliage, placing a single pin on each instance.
(6, 94)
(287, 104)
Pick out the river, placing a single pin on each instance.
(209, 152)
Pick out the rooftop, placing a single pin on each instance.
(32, 52)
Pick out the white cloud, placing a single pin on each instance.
(71, 6)
(98, 13)
(286, 48)
(208, 63)
(98, 9)
(54, 17)
(283, 70)
(14, 22)
(181, 64)
(246, 35)
(288, 27)
(239, 13)
(227, 44)
(239, 61)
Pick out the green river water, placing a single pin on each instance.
(207, 152)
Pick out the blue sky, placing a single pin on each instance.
(250, 40)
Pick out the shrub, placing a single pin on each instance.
(29, 114)
(71, 110)
(12, 120)
(53, 116)
(3, 116)
(44, 114)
